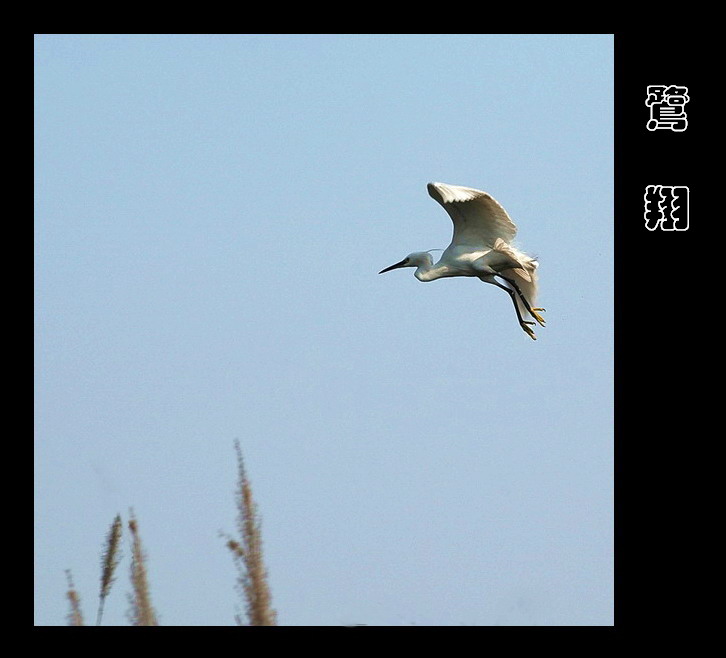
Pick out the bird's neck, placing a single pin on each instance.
(429, 272)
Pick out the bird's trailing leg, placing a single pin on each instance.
(522, 322)
(530, 310)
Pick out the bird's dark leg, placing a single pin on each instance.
(522, 322)
(532, 311)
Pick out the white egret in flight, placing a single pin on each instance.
(481, 247)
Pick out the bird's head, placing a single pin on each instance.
(416, 259)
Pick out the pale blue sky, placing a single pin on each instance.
(211, 213)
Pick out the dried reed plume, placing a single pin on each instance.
(142, 612)
(247, 554)
(75, 617)
(109, 562)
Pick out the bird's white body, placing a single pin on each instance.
(481, 247)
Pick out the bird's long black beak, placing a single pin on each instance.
(396, 266)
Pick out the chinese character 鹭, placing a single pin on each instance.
(667, 107)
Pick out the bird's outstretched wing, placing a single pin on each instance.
(478, 218)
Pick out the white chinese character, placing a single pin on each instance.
(667, 107)
(666, 207)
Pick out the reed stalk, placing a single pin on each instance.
(109, 561)
(75, 617)
(247, 554)
(142, 612)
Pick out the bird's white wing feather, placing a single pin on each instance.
(478, 218)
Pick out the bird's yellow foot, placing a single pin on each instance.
(537, 316)
(525, 325)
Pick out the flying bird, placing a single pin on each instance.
(481, 247)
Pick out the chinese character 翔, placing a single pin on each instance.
(666, 207)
